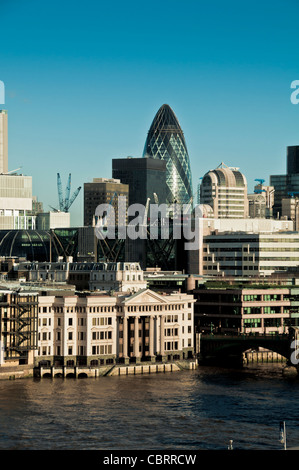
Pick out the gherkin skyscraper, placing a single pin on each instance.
(166, 141)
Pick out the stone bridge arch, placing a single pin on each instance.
(223, 347)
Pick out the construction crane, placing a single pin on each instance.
(66, 202)
(146, 211)
(260, 180)
(11, 171)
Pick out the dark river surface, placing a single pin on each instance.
(190, 410)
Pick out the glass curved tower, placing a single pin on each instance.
(165, 141)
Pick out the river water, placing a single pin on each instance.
(195, 410)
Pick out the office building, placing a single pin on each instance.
(290, 210)
(15, 189)
(101, 329)
(52, 219)
(110, 276)
(103, 191)
(146, 178)
(248, 254)
(3, 142)
(286, 185)
(237, 310)
(85, 276)
(260, 203)
(37, 206)
(293, 160)
(16, 202)
(223, 246)
(166, 141)
(225, 190)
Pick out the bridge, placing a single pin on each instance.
(220, 348)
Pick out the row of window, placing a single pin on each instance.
(130, 308)
(81, 321)
(264, 297)
(256, 322)
(155, 308)
(256, 239)
(96, 335)
(258, 310)
(96, 350)
(225, 249)
(102, 321)
(77, 309)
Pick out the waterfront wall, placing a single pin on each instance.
(16, 372)
(153, 368)
(115, 370)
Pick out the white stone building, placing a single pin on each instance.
(225, 190)
(102, 276)
(101, 329)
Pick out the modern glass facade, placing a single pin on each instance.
(293, 159)
(286, 185)
(34, 245)
(166, 141)
(146, 178)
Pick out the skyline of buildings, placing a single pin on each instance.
(239, 238)
(223, 195)
(211, 328)
(165, 143)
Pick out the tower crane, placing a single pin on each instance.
(65, 202)
(260, 180)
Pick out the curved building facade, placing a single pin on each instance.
(166, 141)
(38, 245)
(225, 190)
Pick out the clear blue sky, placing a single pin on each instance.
(85, 79)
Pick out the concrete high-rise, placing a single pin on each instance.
(15, 190)
(166, 141)
(225, 190)
(103, 191)
(3, 142)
